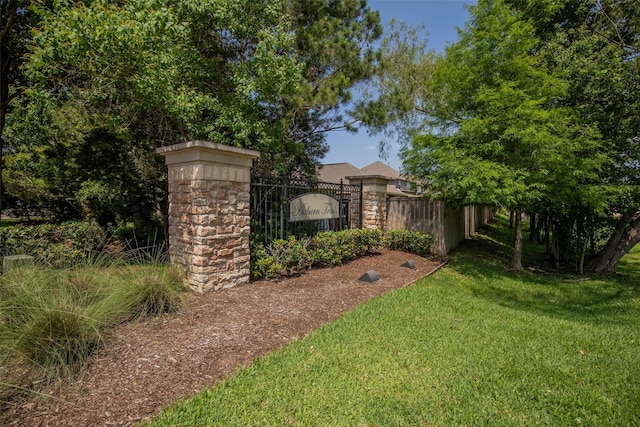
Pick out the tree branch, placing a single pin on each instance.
(10, 21)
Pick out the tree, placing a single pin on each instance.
(396, 102)
(127, 77)
(334, 44)
(497, 134)
(15, 21)
(117, 79)
(593, 46)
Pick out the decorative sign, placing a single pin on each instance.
(312, 206)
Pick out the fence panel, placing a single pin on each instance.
(270, 197)
(447, 224)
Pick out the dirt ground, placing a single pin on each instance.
(148, 365)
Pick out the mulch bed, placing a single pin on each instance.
(146, 366)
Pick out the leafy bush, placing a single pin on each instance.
(338, 247)
(414, 242)
(283, 257)
(55, 245)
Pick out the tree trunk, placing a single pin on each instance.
(625, 237)
(533, 229)
(542, 221)
(516, 262)
(511, 213)
(582, 255)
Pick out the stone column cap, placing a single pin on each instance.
(207, 146)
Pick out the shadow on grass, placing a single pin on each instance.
(602, 299)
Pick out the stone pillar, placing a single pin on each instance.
(209, 220)
(374, 199)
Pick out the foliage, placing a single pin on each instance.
(110, 82)
(334, 44)
(145, 291)
(15, 28)
(532, 109)
(411, 241)
(44, 323)
(55, 245)
(338, 247)
(280, 257)
(284, 257)
(468, 345)
(263, 265)
(106, 83)
(394, 103)
(52, 321)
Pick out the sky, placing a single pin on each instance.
(441, 18)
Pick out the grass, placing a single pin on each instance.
(51, 321)
(469, 345)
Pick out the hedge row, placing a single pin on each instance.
(56, 245)
(285, 257)
(63, 245)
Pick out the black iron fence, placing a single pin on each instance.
(270, 204)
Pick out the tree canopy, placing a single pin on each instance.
(534, 108)
(113, 80)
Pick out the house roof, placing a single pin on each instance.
(334, 172)
(379, 168)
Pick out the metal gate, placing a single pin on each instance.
(270, 197)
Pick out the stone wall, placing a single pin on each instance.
(209, 224)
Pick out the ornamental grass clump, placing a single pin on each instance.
(44, 326)
(51, 321)
(143, 292)
(154, 291)
(58, 336)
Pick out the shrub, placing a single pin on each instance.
(155, 292)
(291, 254)
(338, 247)
(414, 242)
(283, 257)
(262, 264)
(280, 258)
(58, 336)
(141, 292)
(55, 245)
(44, 323)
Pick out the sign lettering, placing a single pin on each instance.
(313, 206)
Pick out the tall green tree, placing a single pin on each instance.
(334, 42)
(498, 135)
(15, 23)
(396, 102)
(594, 47)
(113, 80)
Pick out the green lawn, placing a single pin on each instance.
(469, 345)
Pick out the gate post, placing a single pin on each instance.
(209, 212)
(374, 199)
